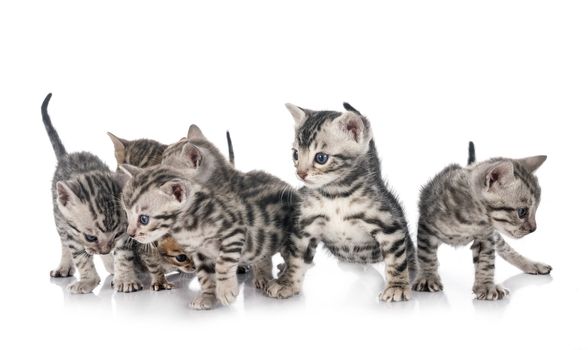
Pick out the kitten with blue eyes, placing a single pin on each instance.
(345, 203)
(90, 220)
(478, 204)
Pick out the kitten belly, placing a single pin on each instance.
(460, 235)
(347, 239)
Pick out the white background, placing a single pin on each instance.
(430, 75)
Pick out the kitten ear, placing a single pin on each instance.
(122, 176)
(176, 189)
(192, 155)
(499, 175)
(298, 113)
(120, 146)
(354, 126)
(350, 108)
(532, 163)
(65, 195)
(129, 170)
(194, 133)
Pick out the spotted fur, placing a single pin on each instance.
(477, 204)
(345, 203)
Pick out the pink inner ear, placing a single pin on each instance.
(177, 191)
(62, 195)
(353, 127)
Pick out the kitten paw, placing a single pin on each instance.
(490, 292)
(538, 269)
(431, 283)
(61, 271)
(280, 289)
(260, 282)
(203, 302)
(82, 287)
(395, 293)
(227, 291)
(127, 286)
(162, 285)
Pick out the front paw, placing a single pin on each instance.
(83, 286)
(537, 269)
(227, 291)
(203, 302)
(395, 293)
(127, 285)
(281, 289)
(428, 283)
(62, 271)
(490, 292)
(260, 282)
(162, 285)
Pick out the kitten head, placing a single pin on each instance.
(153, 198)
(512, 194)
(327, 144)
(195, 152)
(141, 153)
(90, 205)
(173, 255)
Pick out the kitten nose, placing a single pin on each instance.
(132, 233)
(302, 174)
(532, 228)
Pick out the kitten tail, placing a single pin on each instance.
(230, 144)
(58, 147)
(471, 153)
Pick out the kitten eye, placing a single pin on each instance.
(295, 155)
(90, 238)
(143, 219)
(321, 158)
(181, 258)
(522, 212)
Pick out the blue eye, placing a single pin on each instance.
(295, 155)
(522, 212)
(143, 219)
(90, 238)
(321, 158)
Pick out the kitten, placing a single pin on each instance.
(90, 219)
(174, 256)
(211, 227)
(144, 153)
(345, 203)
(479, 203)
(270, 203)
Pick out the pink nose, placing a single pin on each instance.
(302, 174)
(132, 232)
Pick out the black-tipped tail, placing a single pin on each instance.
(53, 136)
(230, 144)
(471, 153)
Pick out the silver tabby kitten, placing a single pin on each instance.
(477, 204)
(211, 227)
(90, 220)
(270, 204)
(345, 203)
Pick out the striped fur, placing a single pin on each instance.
(86, 206)
(477, 204)
(269, 203)
(213, 228)
(345, 204)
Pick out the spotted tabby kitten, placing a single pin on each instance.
(90, 220)
(345, 203)
(211, 227)
(477, 204)
(174, 255)
(270, 204)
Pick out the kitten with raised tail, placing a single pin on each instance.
(90, 220)
(210, 226)
(478, 204)
(345, 203)
(269, 204)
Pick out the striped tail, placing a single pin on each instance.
(231, 154)
(53, 136)
(471, 153)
